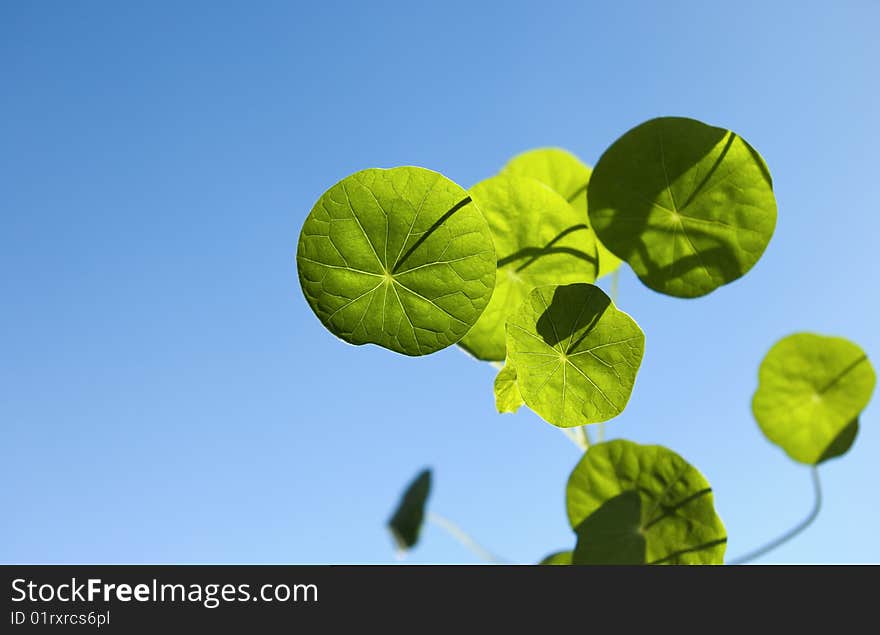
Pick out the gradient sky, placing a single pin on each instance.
(166, 395)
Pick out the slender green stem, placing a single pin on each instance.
(578, 436)
(615, 285)
(465, 539)
(585, 435)
(794, 531)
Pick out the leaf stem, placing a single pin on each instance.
(465, 539)
(794, 531)
(579, 436)
(585, 435)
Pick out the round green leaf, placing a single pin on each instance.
(642, 504)
(401, 258)
(539, 239)
(507, 397)
(566, 174)
(576, 355)
(406, 522)
(558, 558)
(690, 207)
(811, 390)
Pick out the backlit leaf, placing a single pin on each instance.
(576, 355)
(401, 258)
(539, 239)
(642, 504)
(690, 207)
(567, 175)
(811, 390)
(507, 397)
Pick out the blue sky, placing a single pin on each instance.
(166, 395)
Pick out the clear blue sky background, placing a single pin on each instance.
(166, 395)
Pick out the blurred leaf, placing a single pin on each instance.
(560, 557)
(642, 504)
(811, 390)
(539, 239)
(400, 258)
(567, 175)
(576, 355)
(507, 397)
(406, 523)
(690, 207)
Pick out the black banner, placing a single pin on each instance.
(127, 599)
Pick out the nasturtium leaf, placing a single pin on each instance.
(576, 355)
(401, 258)
(560, 557)
(406, 522)
(642, 504)
(539, 239)
(811, 389)
(507, 397)
(566, 174)
(689, 206)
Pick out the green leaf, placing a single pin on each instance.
(642, 504)
(558, 558)
(406, 522)
(576, 355)
(811, 390)
(539, 239)
(401, 258)
(557, 168)
(507, 397)
(569, 176)
(690, 207)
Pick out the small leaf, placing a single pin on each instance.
(401, 258)
(406, 523)
(558, 558)
(567, 175)
(690, 207)
(811, 390)
(576, 355)
(642, 504)
(539, 239)
(507, 397)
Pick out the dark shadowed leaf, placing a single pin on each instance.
(690, 207)
(842, 443)
(406, 522)
(642, 504)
